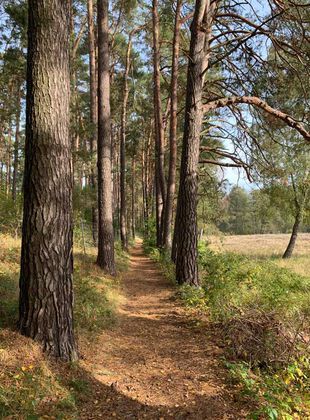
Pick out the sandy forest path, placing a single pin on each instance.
(156, 363)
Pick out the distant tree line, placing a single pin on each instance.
(259, 211)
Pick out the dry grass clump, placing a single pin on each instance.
(29, 387)
(262, 339)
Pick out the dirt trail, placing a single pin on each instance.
(156, 364)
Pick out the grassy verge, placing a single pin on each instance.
(31, 385)
(263, 314)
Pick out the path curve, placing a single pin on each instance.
(156, 363)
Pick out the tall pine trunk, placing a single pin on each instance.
(8, 160)
(16, 145)
(105, 257)
(46, 295)
(185, 247)
(160, 181)
(93, 111)
(123, 209)
(133, 198)
(173, 129)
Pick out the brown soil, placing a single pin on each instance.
(158, 362)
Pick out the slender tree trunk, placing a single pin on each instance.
(143, 181)
(123, 209)
(116, 207)
(159, 128)
(186, 218)
(93, 111)
(300, 202)
(105, 257)
(46, 294)
(145, 178)
(16, 145)
(291, 245)
(133, 198)
(173, 129)
(1, 176)
(9, 161)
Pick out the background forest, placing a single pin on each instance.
(178, 129)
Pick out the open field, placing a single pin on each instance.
(267, 246)
(261, 245)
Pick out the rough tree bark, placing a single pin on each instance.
(185, 249)
(160, 181)
(93, 110)
(46, 294)
(105, 257)
(173, 129)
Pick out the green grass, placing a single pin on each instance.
(260, 307)
(32, 391)
(281, 394)
(236, 283)
(96, 299)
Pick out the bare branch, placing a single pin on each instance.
(255, 101)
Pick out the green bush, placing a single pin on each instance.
(278, 394)
(264, 314)
(235, 284)
(10, 214)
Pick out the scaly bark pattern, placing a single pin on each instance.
(46, 295)
(185, 247)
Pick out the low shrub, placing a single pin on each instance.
(280, 394)
(34, 390)
(264, 309)
(263, 312)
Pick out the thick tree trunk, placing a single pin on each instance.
(159, 129)
(173, 130)
(123, 209)
(46, 295)
(93, 111)
(186, 219)
(105, 257)
(16, 145)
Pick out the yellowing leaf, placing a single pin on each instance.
(287, 380)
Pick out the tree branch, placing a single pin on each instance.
(255, 101)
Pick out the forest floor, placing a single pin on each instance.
(144, 354)
(157, 362)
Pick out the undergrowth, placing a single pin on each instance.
(263, 314)
(31, 386)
